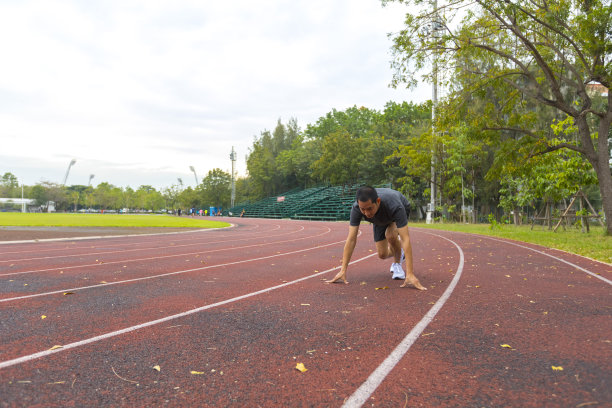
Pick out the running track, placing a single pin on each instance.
(225, 316)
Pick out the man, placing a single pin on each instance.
(388, 211)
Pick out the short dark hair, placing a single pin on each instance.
(367, 193)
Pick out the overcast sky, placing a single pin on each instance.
(138, 91)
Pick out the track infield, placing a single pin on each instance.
(219, 318)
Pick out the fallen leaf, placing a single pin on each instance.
(383, 288)
(56, 347)
(43, 317)
(103, 282)
(301, 367)
(157, 368)
(57, 382)
(557, 368)
(197, 372)
(507, 346)
(507, 276)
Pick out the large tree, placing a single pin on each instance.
(525, 60)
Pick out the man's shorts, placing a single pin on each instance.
(379, 230)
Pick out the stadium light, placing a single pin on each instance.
(194, 173)
(68, 171)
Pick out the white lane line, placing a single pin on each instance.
(63, 268)
(139, 249)
(166, 274)
(30, 357)
(30, 241)
(124, 244)
(361, 395)
(609, 282)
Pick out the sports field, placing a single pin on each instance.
(106, 220)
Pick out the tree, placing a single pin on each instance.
(524, 60)
(341, 158)
(8, 185)
(215, 188)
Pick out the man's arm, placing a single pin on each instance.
(349, 247)
(411, 279)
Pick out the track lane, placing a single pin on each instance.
(344, 333)
(549, 312)
(94, 250)
(344, 305)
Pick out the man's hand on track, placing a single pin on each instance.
(339, 276)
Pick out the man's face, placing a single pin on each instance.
(369, 208)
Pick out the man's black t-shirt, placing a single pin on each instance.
(393, 207)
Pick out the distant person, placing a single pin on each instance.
(179, 212)
(242, 213)
(388, 211)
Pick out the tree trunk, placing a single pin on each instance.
(600, 160)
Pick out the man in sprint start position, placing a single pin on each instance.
(388, 211)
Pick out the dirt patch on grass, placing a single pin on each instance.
(28, 233)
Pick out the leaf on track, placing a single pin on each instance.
(383, 288)
(557, 368)
(43, 317)
(56, 347)
(157, 368)
(507, 346)
(68, 293)
(300, 367)
(197, 372)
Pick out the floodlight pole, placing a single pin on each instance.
(194, 173)
(68, 171)
(233, 159)
(90, 177)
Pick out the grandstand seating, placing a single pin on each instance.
(329, 203)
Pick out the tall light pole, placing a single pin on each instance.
(233, 196)
(90, 177)
(436, 26)
(68, 171)
(194, 173)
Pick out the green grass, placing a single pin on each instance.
(594, 245)
(105, 220)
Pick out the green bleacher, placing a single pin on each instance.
(326, 203)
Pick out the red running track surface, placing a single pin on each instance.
(226, 315)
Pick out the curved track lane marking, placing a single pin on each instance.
(124, 244)
(361, 395)
(162, 257)
(30, 241)
(168, 274)
(137, 249)
(609, 282)
(30, 357)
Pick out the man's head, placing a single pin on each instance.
(368, 201)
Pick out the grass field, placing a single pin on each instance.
(593, 245)
(105, 220)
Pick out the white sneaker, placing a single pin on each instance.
(392, 269)
(398, 272)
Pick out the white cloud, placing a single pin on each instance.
(138, 91)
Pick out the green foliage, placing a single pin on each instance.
(214, 191)
(519, 75)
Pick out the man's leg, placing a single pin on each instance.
(383, 246)
(395, 245)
